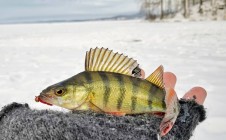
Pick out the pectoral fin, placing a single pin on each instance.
(84, 106)
(94, 107)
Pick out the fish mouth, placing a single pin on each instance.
(43, 99)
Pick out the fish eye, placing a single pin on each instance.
(59, 92)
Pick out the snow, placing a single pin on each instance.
(208, 11)
(34, 56)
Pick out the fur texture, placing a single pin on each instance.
(19, 122)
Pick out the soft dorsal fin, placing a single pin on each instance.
(100, 59)
(157, 77)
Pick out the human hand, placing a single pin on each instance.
(197, 93)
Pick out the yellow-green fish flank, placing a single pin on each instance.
(112, 83)
(113, 92)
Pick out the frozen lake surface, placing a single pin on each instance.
(34, 56)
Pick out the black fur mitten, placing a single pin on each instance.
(19, 122)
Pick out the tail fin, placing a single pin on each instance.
(172, 111)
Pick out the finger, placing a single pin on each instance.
(169, 79)
(197, 93)
(142, 74)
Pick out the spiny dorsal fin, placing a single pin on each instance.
(157, 77)
(100, 59)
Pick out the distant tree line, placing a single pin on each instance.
(168, 8)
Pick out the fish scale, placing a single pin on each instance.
(112, 83)
(122, 91)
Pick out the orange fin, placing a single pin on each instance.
(117, 113)
(172, 111)
(157, 77)
(166, 128)
(159, 114)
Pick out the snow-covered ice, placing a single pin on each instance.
(34, 56)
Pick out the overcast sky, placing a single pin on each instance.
(48, 10)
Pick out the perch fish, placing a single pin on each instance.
(111, 84)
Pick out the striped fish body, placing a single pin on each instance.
(112, 83)
(114, 92)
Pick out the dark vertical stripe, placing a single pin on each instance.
(159, 94)
(152, 92)
(88, 77)
(121, 89)
(135, 84)
(107, 89)
(163, 99)
(134, 103)
(153, 89)
(89, 80)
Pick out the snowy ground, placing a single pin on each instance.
(33, 56)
